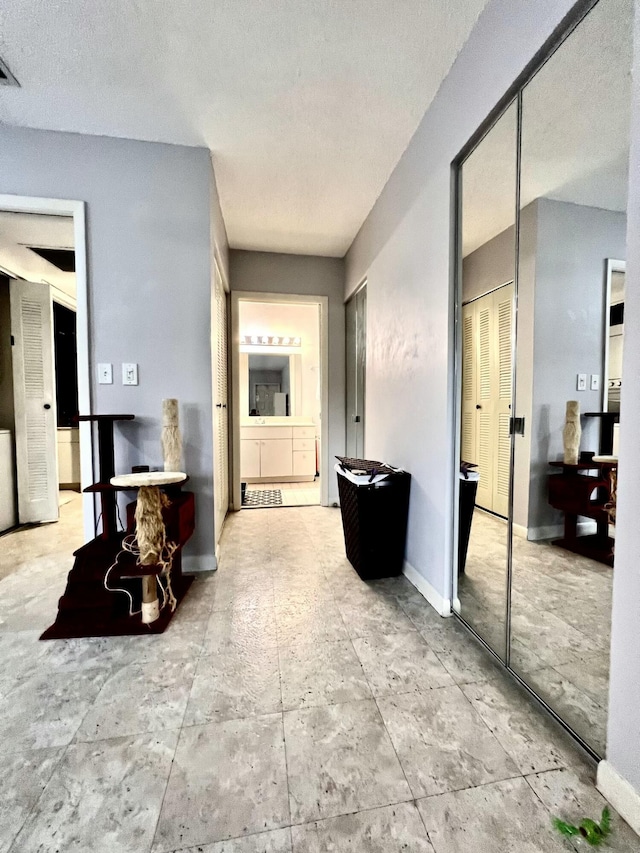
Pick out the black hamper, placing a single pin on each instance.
(374, 516)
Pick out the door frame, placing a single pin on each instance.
(77, 210)
(238, 296)
(360, 287)
(218, 269)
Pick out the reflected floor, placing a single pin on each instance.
(560, 620)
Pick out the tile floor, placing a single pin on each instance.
(560, 620)
(289, 708)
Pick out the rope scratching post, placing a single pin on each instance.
(149, 543)
(171, 438)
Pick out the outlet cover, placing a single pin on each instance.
(105, 374)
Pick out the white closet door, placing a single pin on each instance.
(485, 419)
(468, 448)
(34, 401)
(487, 326)
(503, 328)
(221, 411)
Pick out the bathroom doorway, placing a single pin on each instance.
(279, 353)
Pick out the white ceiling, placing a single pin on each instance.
(307, 105)
(575, 131)
(19, 230)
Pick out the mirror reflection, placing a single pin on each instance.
(269, 385)
(488, 185)
(555, 451)
(573, 187)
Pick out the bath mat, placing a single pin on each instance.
(262, 497)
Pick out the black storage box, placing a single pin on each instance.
(466, 506)
(374, 516)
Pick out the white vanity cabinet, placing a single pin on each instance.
(277, 453)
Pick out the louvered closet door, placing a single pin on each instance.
(468, 448)
(503, 328)
(485, 384)
(487, 325)
(34, 401)
(221, 411)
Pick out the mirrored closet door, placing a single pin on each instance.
(536, 581)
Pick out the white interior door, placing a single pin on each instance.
(34, 402)
(487, 326)
(221, 410)
(503, 370)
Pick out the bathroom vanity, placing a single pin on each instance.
(277, 452)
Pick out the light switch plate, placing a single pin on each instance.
(582, 382)
(129, 374)
(595, 382)
(105, 374)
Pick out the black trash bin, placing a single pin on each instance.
(374, 501)
(466, 505)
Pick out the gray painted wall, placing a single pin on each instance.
(266, 272)
(623, 748)
(404, 250)
(149, 259)
(489, 266)
(573, 243)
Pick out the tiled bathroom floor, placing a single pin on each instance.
(289, 708)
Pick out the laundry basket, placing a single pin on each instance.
(374, 501)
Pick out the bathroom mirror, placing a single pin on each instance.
(270, 384)
(540, 324)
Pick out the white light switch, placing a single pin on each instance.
(595, 382)
(105, 374)
(129, 374)
(582, 382)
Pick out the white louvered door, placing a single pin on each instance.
(220, 410)
(503, 327)
(469, 440)
(34, 402)
(487, 325)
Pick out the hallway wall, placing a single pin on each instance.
(149, 212)
(267, 272)
(404, 248)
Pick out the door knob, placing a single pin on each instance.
(47, 405)
(218, 405)
(478, 406)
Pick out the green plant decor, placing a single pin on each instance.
(594, 833)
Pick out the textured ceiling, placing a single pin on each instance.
(575, 131)
(19, 230)
(307, 105)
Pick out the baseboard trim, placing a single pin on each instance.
(442, 605)
(551, 531)
(620, 793)
(193, 565)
